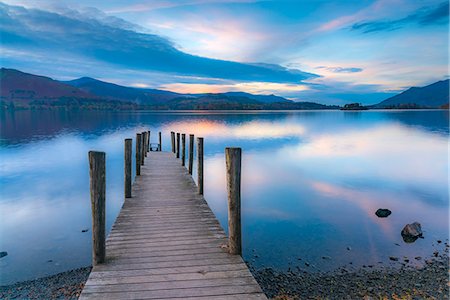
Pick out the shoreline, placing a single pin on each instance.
(429, 281)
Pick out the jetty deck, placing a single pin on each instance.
(166, 243)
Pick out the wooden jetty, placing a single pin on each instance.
(166, 242)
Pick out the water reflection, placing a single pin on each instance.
(312, 182)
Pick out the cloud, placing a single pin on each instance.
(117, 42)
(424, 17)
(341, 70)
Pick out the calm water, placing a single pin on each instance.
(311, 183)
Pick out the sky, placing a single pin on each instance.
(331, 52)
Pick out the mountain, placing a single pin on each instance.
(21, 90)
(260, 98)
(123, 93)
(20, 86)
(431, 96)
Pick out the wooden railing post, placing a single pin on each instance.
(143, 154)
(138, 154)
(160, 142)
(191, 153)
(98, 190)
(172, 138)
(178, 145)
(183, 149)
(200, 164)
(145, 134)
(127, 167)
(233, 166)
(148, 140)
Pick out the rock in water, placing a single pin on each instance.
(3, 253)
(383, 212)
(411, 232)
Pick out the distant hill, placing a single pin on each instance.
(435, 95)
(21, 90)
(123, 93)
(16, 85)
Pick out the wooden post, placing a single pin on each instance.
(233, 165)
(145, 134)
(98, 190)
(178, 145)
(200, 165)
(160, 142)
(127, 168)
(183, 149)
(191, 153)
(138, 154)
(148, 141)
(143, 148)
(172, 137)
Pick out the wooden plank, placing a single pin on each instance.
(167, 244)
(176, 293)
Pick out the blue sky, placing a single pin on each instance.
(331, 52)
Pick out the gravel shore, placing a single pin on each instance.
(430, 281)
(66, 285)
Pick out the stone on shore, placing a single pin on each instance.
(411, 232)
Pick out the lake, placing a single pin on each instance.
(311, 183)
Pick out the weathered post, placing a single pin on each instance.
(183, 149)
(98, 190)
(145, 134)
(138, 154)
(172, 137)
(127, 168)
(148, 140)
(178, 145)
(143, 148)
(233, 165)
(200, 165)
(191, 153)
(160, 142)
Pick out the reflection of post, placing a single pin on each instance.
(183, 149)
(200, 164)
(172, 137)
(97, 187)
(191, 153)
(160, 142)
(233, 165)
(128, 151)
(178, 145)
(138, 154)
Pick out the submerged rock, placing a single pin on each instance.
(411, 232)
(383, 212)
(3, 254)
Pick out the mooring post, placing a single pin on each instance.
(127, 167)
(178, 145)
(148, 140)
(200, 164)
(183, 149)
(233, 166)
(160, 142)
(138, 154)
(98, 190)
(143, 148)
(191, 153)
(172, 137)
